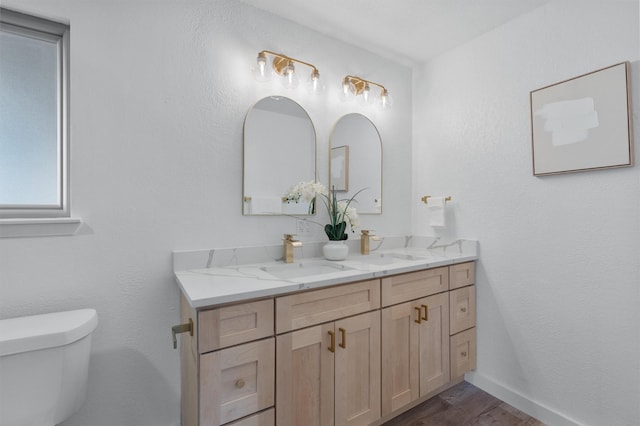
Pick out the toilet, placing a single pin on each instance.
(44, 364)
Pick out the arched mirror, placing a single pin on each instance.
(279, 152)
(356, 162)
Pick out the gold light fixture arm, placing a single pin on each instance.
(281, 62)
(359, 84)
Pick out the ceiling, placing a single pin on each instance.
(408, 31)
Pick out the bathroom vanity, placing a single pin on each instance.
(316, 342)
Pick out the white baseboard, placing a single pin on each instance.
(545, 414)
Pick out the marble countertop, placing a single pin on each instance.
(217, 276)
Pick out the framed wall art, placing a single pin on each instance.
(583, 123)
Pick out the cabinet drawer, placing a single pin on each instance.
(266, 418)
(462, 309)
(461, 275)
(414, 285)
(318, 306)
(463, 352)
(236, 382)
(235, 324)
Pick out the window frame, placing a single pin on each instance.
(47, 30)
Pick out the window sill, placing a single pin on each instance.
(38, 227)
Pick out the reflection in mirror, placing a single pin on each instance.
(356, 162)
(279, 152)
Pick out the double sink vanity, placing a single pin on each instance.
(318, 342)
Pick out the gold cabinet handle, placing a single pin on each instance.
(426, 312)
(419, 320)
(463, 309)
(343, 334)
(332, 346)
(240, 383)
(463, 353)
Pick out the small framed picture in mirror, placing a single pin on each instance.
(340, 168)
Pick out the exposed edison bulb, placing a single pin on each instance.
(289, 73)
(348, 90)
(315, 81)
(346, 87)
(262, 63)
(365, 92)
(386, 101)
(261, 72)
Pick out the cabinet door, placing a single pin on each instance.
(434, 342)
(236, 382)
(462, 314)
(234, 324)
(305, 377)
(357, 370)
(411, 286)
(461, 275)
(400, 355)
(265, 418)
(328, 304)
(463, 352)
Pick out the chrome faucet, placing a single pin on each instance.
(364, 240)
(289, 244)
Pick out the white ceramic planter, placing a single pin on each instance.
(335, 250)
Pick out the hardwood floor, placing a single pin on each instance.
(464, 405)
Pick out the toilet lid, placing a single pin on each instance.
(35, 332)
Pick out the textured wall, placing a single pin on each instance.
(159, 94)
(559, 277)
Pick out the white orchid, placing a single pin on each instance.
(340, 211)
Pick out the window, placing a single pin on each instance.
(34, 157)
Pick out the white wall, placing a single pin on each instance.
(559, 274)
(159, 94)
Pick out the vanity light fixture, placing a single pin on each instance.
(285, 66)
(352, 85)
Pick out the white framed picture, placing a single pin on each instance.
(583, 123)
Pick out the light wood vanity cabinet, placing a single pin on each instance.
(462, 309)
(462, 274)
(352, 354)
(462, 312)
(405, 287)
(317, 306)
(234, 324)
(228, 367)
(237, 381)
(415, 337)
(330, 374)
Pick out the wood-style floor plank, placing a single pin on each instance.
(464, 405)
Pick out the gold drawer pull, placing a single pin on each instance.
(463, 353)
(426, 313)
(419, 320)
(343, 333)
(332, 346)
(240, 383)
(463, 309)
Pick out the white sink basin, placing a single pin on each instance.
(417, 253)
(303, 269)
(386, 258)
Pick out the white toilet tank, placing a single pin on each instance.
(44, 363)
